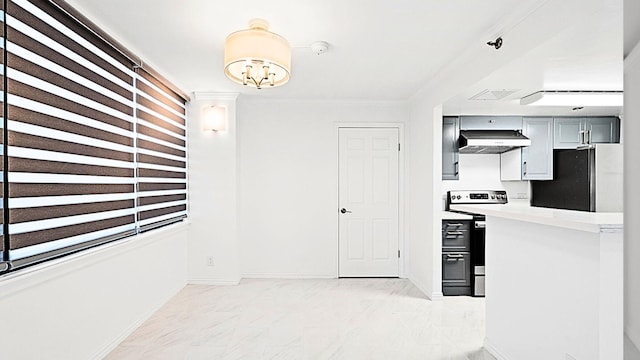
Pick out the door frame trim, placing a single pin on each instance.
(402, 263)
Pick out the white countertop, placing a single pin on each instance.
(570, 219)
(448, 215)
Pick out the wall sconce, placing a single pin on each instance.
(214, 118)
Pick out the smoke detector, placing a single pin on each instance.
(319, 47)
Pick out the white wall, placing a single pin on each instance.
(532, 27)
(632, 197)
(213, 194)
(81, 307)
(422, 232)
(482, 171)
(288, 219)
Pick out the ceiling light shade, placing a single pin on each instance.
(257, 57)
(214, 118)
(574, 98)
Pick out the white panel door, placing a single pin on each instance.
(368, 202)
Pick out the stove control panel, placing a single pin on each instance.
(477, 197)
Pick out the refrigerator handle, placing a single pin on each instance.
(589, 140)
(582, 137)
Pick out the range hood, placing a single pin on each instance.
(490, 141)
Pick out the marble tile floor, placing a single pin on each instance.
(310, 319)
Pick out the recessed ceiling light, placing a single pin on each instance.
(574, 98)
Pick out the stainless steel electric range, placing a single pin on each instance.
(478, 229)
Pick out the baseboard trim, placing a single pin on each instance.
(632, 342)
(204, 281)
(136, 324)
(431, 295)
(491, 349)
(291, 276)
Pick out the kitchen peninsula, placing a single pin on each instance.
(554, 287)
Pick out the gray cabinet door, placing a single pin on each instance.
(537, 159)
(450, 134)
(456, 269)
(567, 132)
(603, 130)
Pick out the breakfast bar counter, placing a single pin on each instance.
(554, 279)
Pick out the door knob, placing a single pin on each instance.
(344, 211)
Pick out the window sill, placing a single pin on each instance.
(36, 274)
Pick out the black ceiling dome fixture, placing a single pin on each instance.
(497, 44)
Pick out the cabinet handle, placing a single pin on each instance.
(524, 164)
(456, 165)
(589, 137)
(583, 137)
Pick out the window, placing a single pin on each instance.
(161, 153)
(94, 146)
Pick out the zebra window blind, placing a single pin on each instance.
(161, 157)
(94, 145)
(5, 257)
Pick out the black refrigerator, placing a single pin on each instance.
(588, 179)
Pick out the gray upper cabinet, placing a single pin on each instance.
(537, 159)
(571, 132)
(450, 134)
(603, 130)
(567, 132)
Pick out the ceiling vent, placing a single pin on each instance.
(493, 94)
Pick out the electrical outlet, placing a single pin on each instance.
(209, 260)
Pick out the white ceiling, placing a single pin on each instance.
(379, 49)
(585, 56)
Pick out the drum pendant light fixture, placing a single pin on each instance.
(257, 57)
